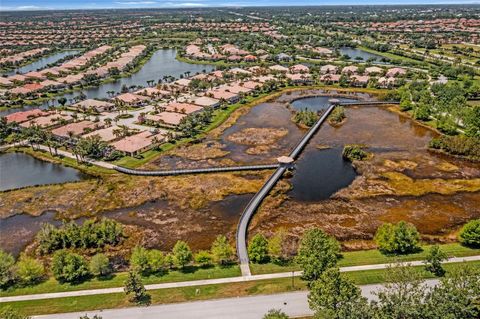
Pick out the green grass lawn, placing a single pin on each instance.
(370, 257)
(117, 280)
(394, 57)
(172, 295)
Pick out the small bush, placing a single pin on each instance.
(305, 117)
(69, 267)
(100, 265)
(337, 115)
(7, 269)
(470, 234)
(402, 238)
(258, 249)
(29, 270)
(354, 152)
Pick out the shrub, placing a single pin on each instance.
(139, 260)
(29, 270)
(7, 269)
(402, 238)
(305, 117)
(337, 115)
(69, 267)
(156, 261)
(100, 265)
(182, 254)
(258, 249)
(458, 145)
(221, 250)
(275, 314)
(470, 233)
(92, 234)
(203, 257)
(354, 152)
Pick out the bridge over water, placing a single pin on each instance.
(242, 228)
(257, 199)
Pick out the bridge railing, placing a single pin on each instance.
(195, 170)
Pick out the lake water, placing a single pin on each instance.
(18, 231)
(354, 53)
(319, 174)
(20, 170)
(162, 63)
(316, 103)
(42, 63)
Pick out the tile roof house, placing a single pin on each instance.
(330, 78)
(96, 105)
(222, 95)
(47, 121)
(5, 81)
(351, 69)
(206, 101)
(132, 99)
(359, 80)
(184, 108)
(166, 119)
(329, 69)
(395, 72)
(20, 117)
(373, 70)
(77, 128)
(299, 68)
(138, 143)
(105, 134)
(278, 68)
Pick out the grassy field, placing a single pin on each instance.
(173, 295)
(393, 57)
(370, 257)
(117, 280)
(356, 258)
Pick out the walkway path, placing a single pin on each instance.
(196, 170)
(249, 211)
(294, 304)
(204, 282)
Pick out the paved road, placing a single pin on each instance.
(204, 282)
(294, 304)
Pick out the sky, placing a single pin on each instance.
(9, 5)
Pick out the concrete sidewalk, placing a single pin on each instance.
(294, 304)
(204, 282)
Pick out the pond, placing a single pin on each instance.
(20, 170)
(319, 174)
(18, 231)
(316, 103)
(42, 63)
(356, 54)
(162, 63)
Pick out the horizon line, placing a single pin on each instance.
(468, 3)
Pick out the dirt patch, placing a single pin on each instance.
(200, 151)
(258, 136)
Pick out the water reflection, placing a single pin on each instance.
(19, 230)
(20, 170)
(42, 63)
